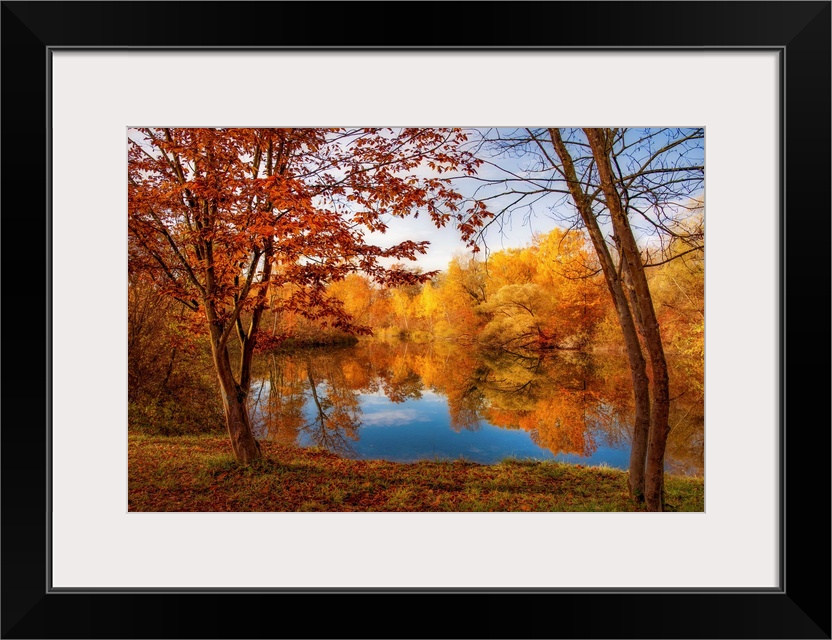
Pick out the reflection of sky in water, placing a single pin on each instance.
(421, 430)
(351, 411)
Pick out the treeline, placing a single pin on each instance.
(548, 295)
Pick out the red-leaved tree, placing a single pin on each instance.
(222, 215)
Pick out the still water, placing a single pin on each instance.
(407, 402)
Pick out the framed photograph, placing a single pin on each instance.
(79, 78)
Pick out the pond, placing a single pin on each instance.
(405, 401)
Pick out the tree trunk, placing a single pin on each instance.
(645, 316)
(245, 446)
(638, 369)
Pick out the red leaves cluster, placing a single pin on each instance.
(209, 209)
(268, 342)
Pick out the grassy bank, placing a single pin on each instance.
(198, 473)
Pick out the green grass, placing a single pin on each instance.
(198, 473)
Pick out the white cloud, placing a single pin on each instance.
(393, 417)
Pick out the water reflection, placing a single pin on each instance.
(407, 401)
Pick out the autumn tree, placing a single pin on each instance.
(226, 215)
(520, 315)
(356, 295)
(462, 288)
(511, 267)
(629, 189)
(568, 267)
(543, 296)
(428, 304)
(678, 287)
(169, 388)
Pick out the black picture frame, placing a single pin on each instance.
(800, 608)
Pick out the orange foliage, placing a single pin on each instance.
(224, 214)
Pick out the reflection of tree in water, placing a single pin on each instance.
(456, 374)
(552, 397)
(464, 405)
(336, 409)
(277, 400)
(403, 384)
(290, 383)
(393, 368)
(686, 442)
(567, 401)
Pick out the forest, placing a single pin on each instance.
(267, 312)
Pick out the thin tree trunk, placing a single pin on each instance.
(638, 368)
(646, 319)
(248, 339)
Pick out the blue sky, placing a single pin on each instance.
(517, 228)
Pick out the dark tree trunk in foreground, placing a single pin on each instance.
(646, 180)
(635, 358)
(645, 316)
(245, 446)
